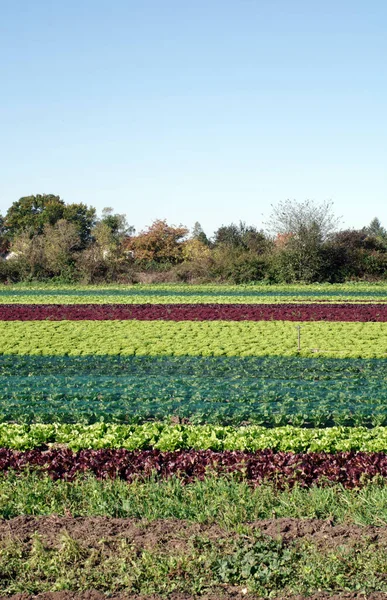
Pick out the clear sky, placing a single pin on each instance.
(195, 110)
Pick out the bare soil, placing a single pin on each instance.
(174, 535)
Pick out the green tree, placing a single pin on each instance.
(30, 214)
(376, 229)
(84, 218)
(27, 256)
(59, 242)
(4, 243)
(198, 234)
(117, 224)
(354, 253)
(242, 236)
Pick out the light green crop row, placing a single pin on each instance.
(167, 437)
(182, 287)
(189, 299)
(188, 294)
(193, 338)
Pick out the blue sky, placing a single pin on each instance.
(204, 110)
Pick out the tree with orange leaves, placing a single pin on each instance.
(161, 243)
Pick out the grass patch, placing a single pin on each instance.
(221, 500)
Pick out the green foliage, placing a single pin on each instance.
(193, 338)
(199, 234)
(300, 230)
(242, 236)
(221, 500)
(238, 555)
(84, 219)
(269, 391)
(264, 565)
(30, 214)
(168, 437)
(4, 242)
(295, 261)
(304, 247)
(252, 562)
(234, 264)
(109, 566)
(116, 223)
(376, 229)
(262, 293)
(50, 254)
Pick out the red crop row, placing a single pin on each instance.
(194, 312)
(351, 469)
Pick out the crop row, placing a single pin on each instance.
(283, 468)
(267, 391)
(67, 409)
(180, 294)
(128, 388)
(191, 338)
(195, 312)
(139, 398)
(346, 371)
(166, 437)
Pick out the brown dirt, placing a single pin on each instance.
(322, 533)
(173, 534)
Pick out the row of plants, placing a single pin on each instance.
(140, 398)
(189, 388)
(270, 391)
(195, 312)
(193, 294)
(65, 408)
(191, 338)
(284, 469)
(263, 369)
(169, 437)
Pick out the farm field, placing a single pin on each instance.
(182, 441)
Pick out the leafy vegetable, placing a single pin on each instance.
(192, 338)
(168, 437)
(221, 390)
(195, 312)
(283, 469)
(178, 294)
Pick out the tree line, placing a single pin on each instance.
(44, 238)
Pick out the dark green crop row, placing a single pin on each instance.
(277, 368)
(268, 391)
(87, 410)
(166, 437)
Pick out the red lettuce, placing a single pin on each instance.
(195, 312)
(351, 469)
